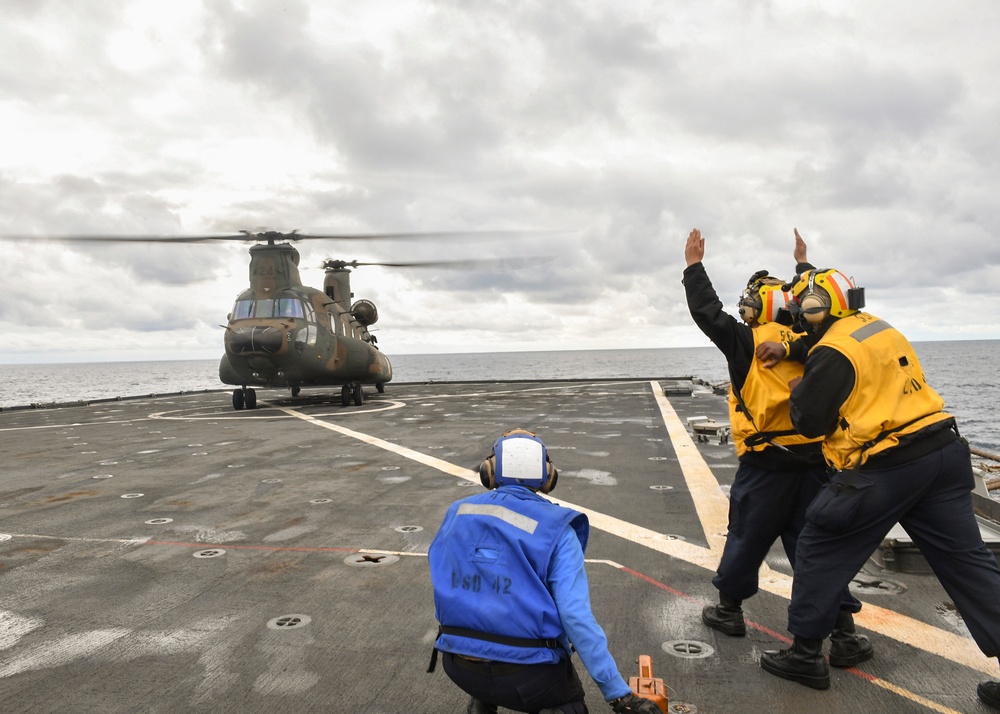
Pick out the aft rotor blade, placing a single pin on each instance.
(483, 234)
(471, 263)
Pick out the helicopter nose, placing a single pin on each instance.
(255, 340)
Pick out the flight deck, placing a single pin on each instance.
(170, 554)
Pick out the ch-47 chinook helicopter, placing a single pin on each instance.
(281, 333)
(284, 334)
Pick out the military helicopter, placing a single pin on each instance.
(281, 333)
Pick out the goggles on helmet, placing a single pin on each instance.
(763, 299)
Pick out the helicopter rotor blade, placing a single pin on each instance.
(468, 263)
(269, 236)
(100, 238)
(419, 235)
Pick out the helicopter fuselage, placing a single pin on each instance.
(295, 340)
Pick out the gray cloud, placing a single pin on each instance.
(624, 126)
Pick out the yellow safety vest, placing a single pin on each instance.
(765, 394)
(890, 398)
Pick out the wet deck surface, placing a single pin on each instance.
(171, 554)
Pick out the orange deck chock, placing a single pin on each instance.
(648, 686)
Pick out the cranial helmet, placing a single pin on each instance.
(763, 298)
(821, 293)
(519, 458)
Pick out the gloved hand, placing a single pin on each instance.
(631, 704)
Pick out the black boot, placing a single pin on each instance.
(989, 693)
(479, 707)
(847, 647)
(803, 662)
(726, 617)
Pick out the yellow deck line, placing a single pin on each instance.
(710, 502)
(913, 697)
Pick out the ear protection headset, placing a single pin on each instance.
(763, 298)
(815, 303)
(519, 457)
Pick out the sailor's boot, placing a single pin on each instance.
(479, 707)
(803, 662)
(847, 647)
(726, 617)
(989, 693)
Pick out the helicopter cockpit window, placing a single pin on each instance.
(281, 307)
(308, 334)
(289, 307)
(263, 308)
(243, 309)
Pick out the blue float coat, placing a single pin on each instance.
(556, 601)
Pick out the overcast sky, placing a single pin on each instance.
(619, 126)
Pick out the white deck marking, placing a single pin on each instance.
(406, 453)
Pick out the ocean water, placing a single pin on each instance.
(965, 373)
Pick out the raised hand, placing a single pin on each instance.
(694, 249)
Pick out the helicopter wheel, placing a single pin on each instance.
(238, 401)
(358, 394)
(251, 399)
(345, 395)
(380, 387)
(295, 391)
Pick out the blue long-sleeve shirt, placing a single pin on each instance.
(567, 581)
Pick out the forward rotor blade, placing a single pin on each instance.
(269, 236)
(97, 238)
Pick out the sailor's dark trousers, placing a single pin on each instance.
(765, 505)
(521, 687)
(931, 498)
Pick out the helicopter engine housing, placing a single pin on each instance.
(365, 312)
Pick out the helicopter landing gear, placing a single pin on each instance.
(352, 392)
(295, 391)
(380, 387)
(244, 398)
